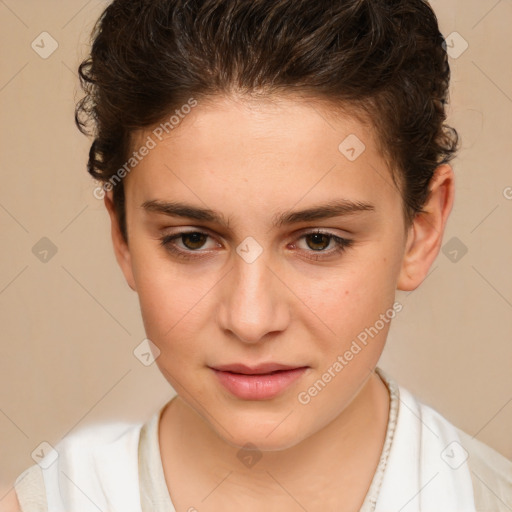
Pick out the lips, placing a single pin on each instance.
(261, 369)
(262, 382)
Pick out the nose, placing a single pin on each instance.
(254, 302)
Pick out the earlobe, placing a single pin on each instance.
(425, 235)
(121, 248)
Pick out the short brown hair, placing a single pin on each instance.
(385, 58)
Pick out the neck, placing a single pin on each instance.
(342, 456)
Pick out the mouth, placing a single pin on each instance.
(261, 369)
(261, 383)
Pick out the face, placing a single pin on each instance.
(252, 280)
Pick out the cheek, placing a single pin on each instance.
(174, 302)
(169, 308)
(349, 299)
(166, 310)
(166, 294)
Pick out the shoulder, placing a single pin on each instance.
(30, 494)
(95, 436)
(491, 474)
(489, 471)
(9, 502)
(74, 456)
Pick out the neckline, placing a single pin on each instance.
(155, 495)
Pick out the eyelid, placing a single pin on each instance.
(183, 231)
(340, 233)
(341, 244)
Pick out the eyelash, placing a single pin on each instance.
(341, 245)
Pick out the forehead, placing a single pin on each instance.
(269, 152)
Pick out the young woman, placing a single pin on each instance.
(274, 170)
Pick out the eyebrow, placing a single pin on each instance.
(328, 210)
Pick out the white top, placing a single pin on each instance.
(426, 465)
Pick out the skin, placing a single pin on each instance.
(250, 161)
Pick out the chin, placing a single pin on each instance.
(264, 436)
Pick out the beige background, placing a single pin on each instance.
(69, 326)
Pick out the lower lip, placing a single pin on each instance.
(258, 387)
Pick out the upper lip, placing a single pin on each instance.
(260, 369)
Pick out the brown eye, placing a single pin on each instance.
(189, 244)
(194, 240)
(320, 241)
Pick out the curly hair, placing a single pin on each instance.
(385, 59)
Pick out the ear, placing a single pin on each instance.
(425, 235)
(121, 249)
